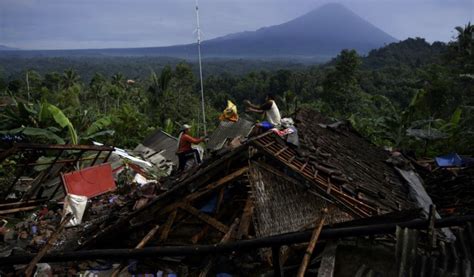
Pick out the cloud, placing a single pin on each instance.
(59, 24)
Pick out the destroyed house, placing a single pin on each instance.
(262, 188)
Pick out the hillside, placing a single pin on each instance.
(414, 52)
(319, 34)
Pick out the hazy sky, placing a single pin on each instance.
(66, 24)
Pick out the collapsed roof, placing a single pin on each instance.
(258, 187)
(159, 144)
(284, 188)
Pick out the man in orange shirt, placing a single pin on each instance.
(184, 147)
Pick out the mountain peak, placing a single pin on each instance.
(319, 34)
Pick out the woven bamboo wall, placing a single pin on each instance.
(282, 206)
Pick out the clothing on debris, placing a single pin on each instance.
(230, 113)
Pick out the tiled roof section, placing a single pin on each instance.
(228, 130)
(362, 163)
(326, 180)
(162, 142)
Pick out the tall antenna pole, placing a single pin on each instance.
(28, 86)
(200, 68)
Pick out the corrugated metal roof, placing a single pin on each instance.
(160, 142)
(226, 130)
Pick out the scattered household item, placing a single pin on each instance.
(75, 204)
(90, 182)
(230, 113)
(449, 160)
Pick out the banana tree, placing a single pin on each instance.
(46, 122)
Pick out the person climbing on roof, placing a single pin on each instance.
(185, 151)
(271, 111)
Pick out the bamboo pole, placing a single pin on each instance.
(312, 243)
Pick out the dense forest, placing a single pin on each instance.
(410, 95)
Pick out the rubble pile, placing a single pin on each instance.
(249, 209)
(452, 190)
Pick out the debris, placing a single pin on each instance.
(89, 182)
(75, 205)
(52, 239)
(250, 196)
(140, 245)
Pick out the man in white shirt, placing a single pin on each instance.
(270, 108)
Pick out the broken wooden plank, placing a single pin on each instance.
(225, 238)
(217, 184)
(312, 243)
(246, 219)
(220, 198)
(209, 188)
(140, 245)
(167, 226)
(197, 237)
(148, 237)
(328, 261)
(221, 227)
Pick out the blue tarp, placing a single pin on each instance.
(449, 160)
(210, 206)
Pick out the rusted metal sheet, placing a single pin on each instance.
(90, 182)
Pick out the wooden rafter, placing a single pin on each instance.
(221, 227)
(246, 219)
(167, 226)
(225, 238)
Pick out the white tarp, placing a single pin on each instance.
(75, 204)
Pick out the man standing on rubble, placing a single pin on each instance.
(271, 111)
(185, 151)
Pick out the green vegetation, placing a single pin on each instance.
(410, 95)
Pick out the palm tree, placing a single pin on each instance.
(69, 78)
(97, 85)
(118, 79)
(465, 38)
(97, 82)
